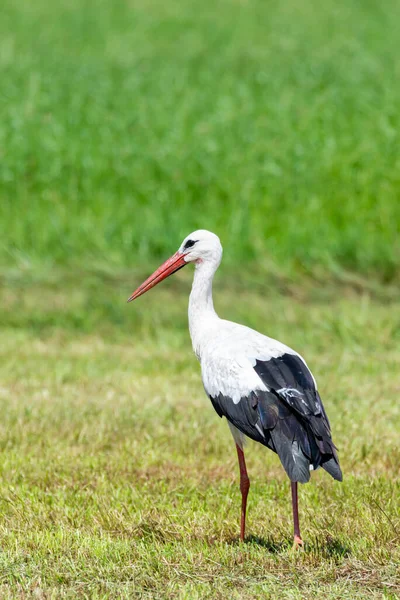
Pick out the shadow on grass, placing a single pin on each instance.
(333, 548)
(267, 543)
(329, 548)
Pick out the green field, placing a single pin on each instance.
(124, 126)
(118, 479)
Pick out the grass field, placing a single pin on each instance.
(118, 480)
(125, 125)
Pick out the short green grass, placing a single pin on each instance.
(118, 480)
(125, 125)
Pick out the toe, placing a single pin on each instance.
(298, 543)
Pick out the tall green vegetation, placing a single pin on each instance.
(125, 125)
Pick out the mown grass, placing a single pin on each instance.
(125, 125)
(118, 480)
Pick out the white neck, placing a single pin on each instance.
(201, 308)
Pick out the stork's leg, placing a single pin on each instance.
(244, 488)
(297, 542)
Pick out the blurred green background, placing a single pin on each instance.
(125, 125)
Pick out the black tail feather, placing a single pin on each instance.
(332, 467)
(289, 450)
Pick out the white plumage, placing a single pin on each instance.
(227, 351)
(227, 364)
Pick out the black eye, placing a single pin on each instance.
(189, 244)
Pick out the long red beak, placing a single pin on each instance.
(173, 264)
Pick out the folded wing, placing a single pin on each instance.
(287, 415)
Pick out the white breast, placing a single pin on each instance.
(228, 354)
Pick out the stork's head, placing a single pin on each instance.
(199, 247)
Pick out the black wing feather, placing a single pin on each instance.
(289, 418)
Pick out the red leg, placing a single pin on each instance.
(244, 488)
(298, 542)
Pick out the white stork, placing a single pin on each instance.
(263, 388)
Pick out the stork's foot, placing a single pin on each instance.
(298, 543)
